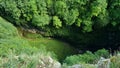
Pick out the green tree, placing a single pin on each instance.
(41, 20)
(71, 16)
(56, 22)
(114, 8)
(60, 8)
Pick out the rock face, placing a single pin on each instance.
(48, 62)
(103, 63)
(82, 65)
(76, 66)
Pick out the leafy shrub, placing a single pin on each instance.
(114, 7)
(87, 57)
(102, 53)
(56, 22)
(40, 20)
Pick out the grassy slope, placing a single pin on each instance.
(9, 39)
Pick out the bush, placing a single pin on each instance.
(41, 20)
(87, 57)
(56, 22)
(102, 53)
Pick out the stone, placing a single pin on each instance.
(103, 63)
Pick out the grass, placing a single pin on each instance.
(60, 48)
(115, 61)
(35, 60)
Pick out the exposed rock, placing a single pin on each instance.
(48, 62)
(56, 65)
(76, 66)
(103, 63)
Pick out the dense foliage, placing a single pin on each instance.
(87, 57)
(85, 14)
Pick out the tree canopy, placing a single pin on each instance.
(85, 14)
